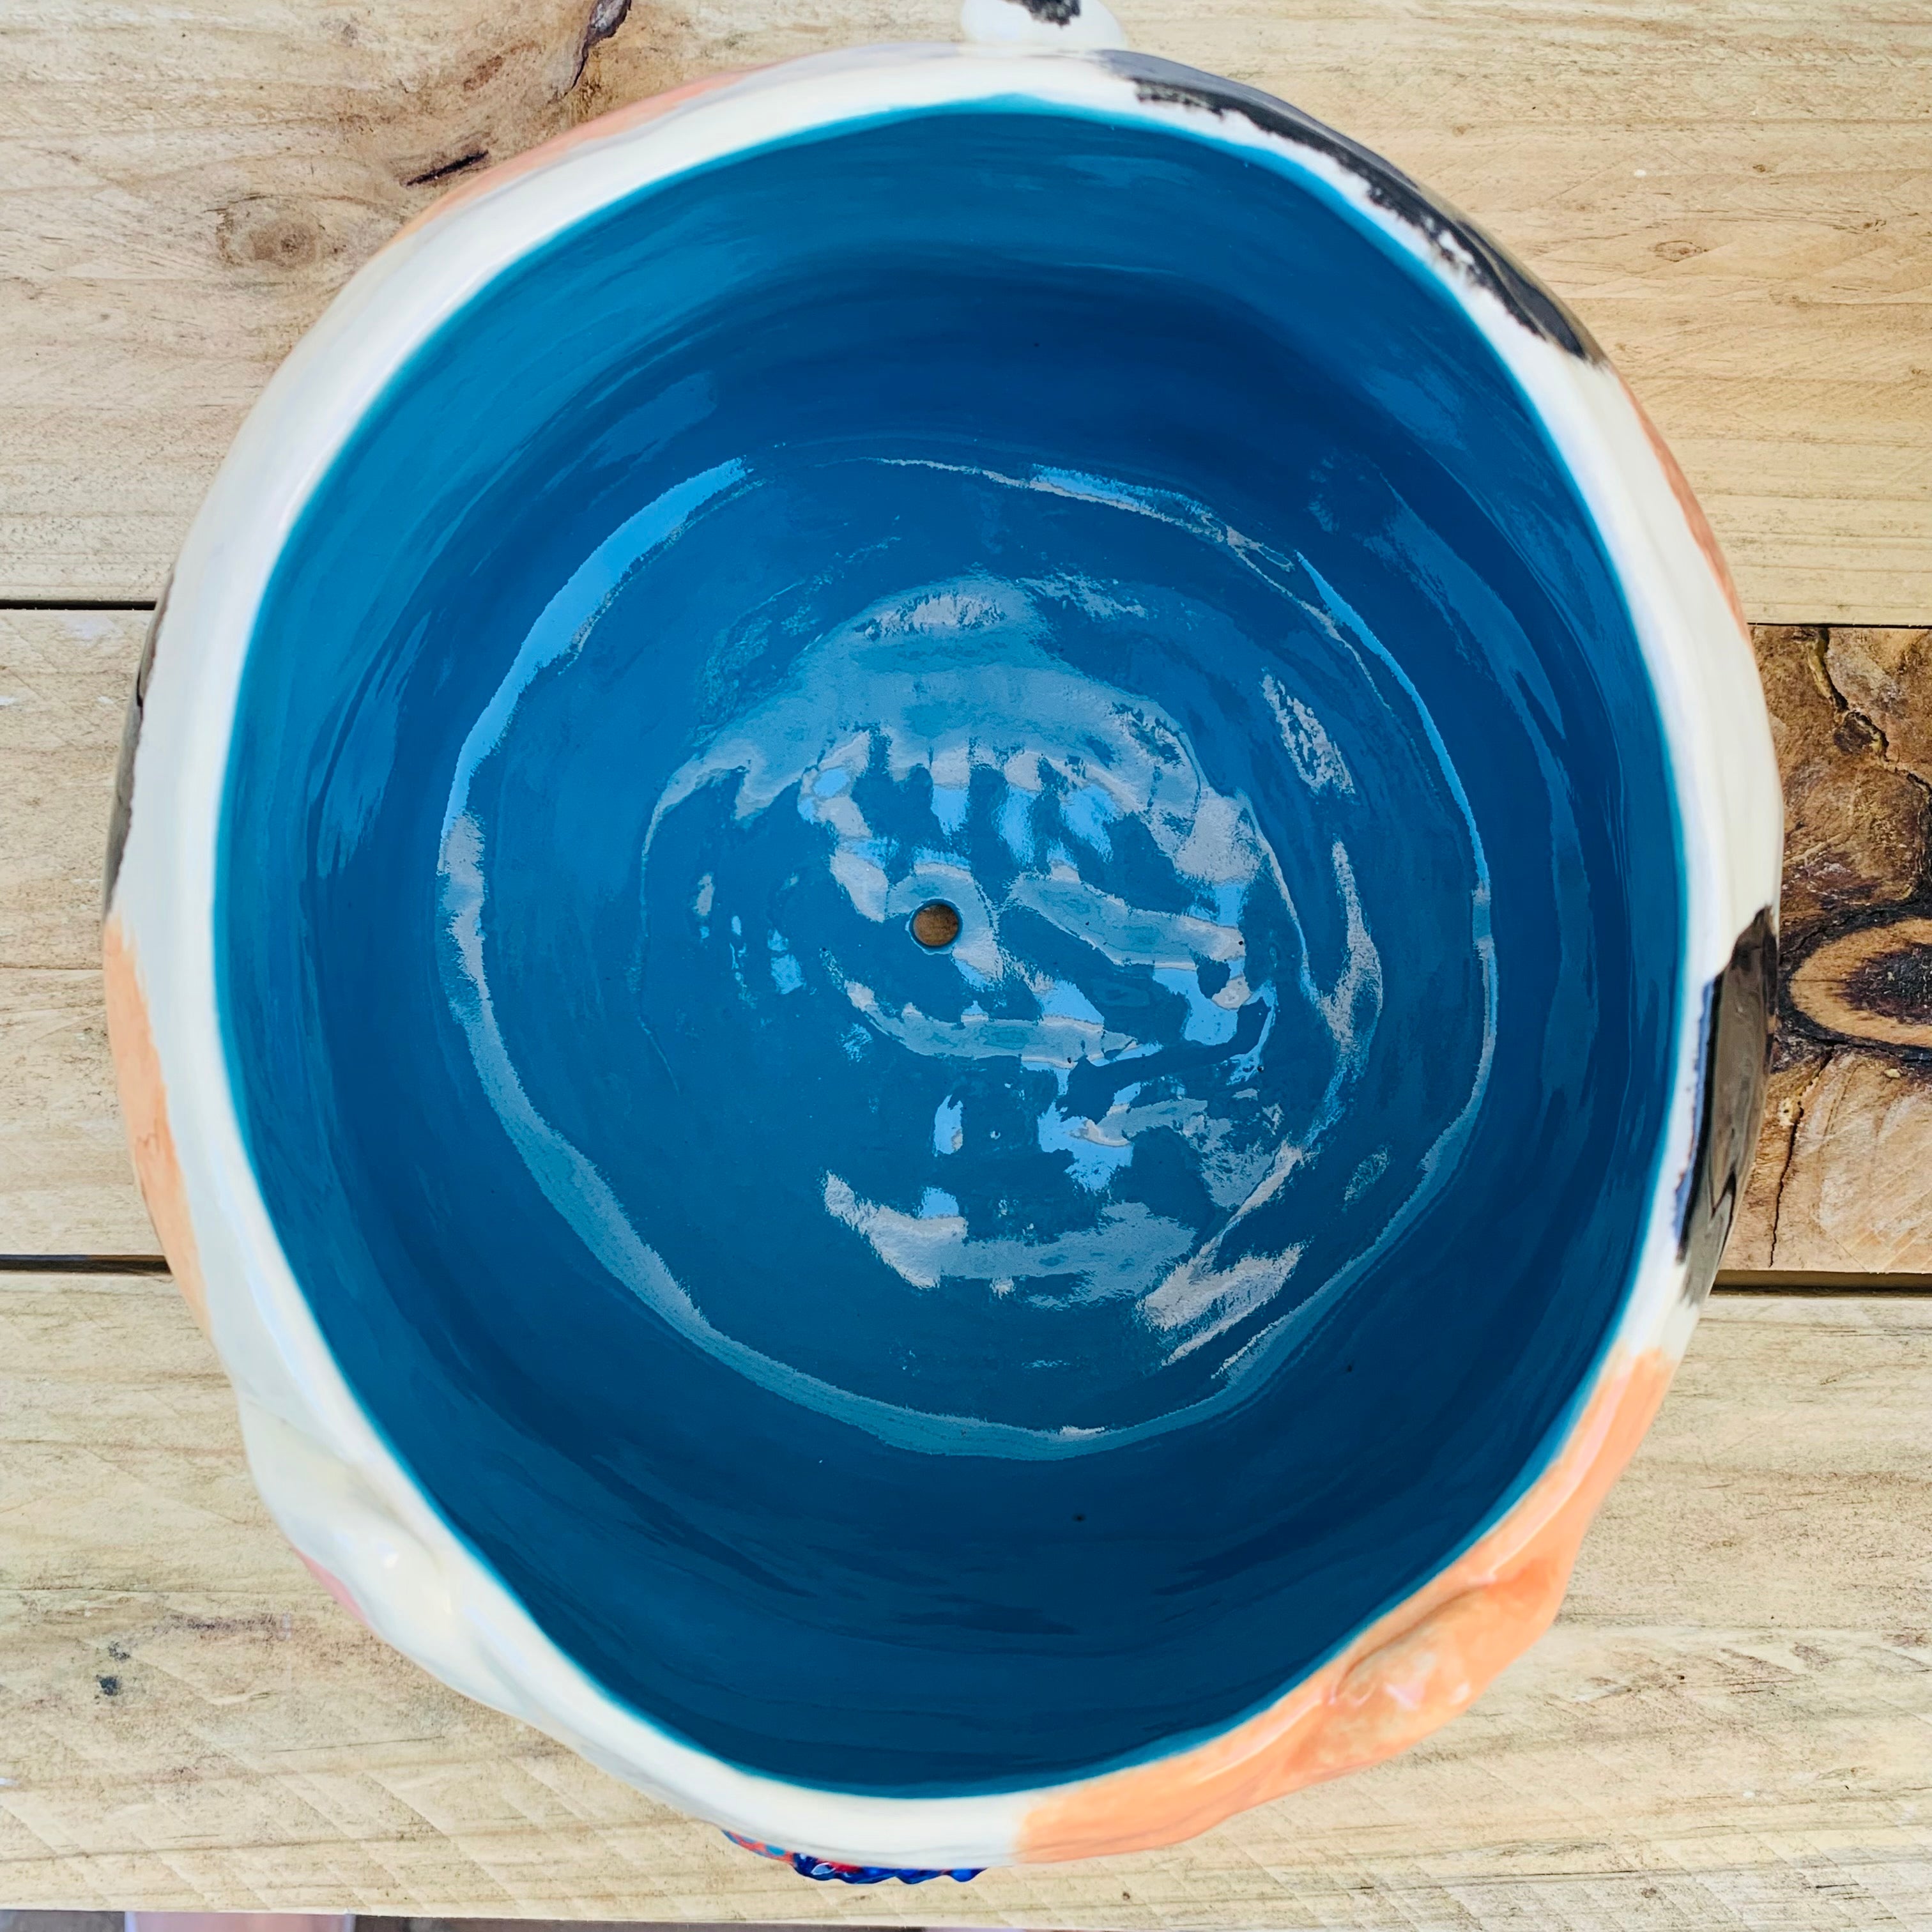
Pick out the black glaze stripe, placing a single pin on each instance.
(1734, 1059)
(1455, 238)
(120, 815)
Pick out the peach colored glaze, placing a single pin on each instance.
(144, 1107)
(618, 121)
(1693, 510)
(1423, 1664)
(335, 1586)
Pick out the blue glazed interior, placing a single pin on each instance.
(919, 1371)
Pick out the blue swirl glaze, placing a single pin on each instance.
(923, 1370)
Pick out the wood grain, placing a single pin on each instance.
(1732, 192)
(64, 679)
(1727, 1726)
(1843, 1181)
(66, 1184)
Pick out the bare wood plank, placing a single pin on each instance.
(63, 682)
(1732, 194)
(1727, 1726)
(66, 1183)
(185, 190)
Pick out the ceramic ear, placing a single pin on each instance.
(1062, 25)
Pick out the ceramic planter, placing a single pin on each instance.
(939, 935)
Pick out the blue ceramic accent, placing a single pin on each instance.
(808, 1865)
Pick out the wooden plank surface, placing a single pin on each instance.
(1843, 1180)
(1729, 1726)
(66, 1184)
(1734, 193)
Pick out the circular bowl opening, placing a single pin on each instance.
(956, 1367)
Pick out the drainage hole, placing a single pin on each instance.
(936, 924)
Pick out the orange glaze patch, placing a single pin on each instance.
(144, 1107)
(617, 122)
(1409, 1673)
(1693, 510)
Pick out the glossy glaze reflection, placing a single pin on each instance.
(920, 1370)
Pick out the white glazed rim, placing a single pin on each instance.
(331, 1482)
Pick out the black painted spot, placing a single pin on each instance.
(1739, 1005)
(1054, 12)
(120, 812)
(1893, 986)
(1457, 239)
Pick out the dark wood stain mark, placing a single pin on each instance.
(606, 17)
(1897, 986)
(446, 170)
(483, 73)
(271, 232)
(1867, 980)
(1797, 1066)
